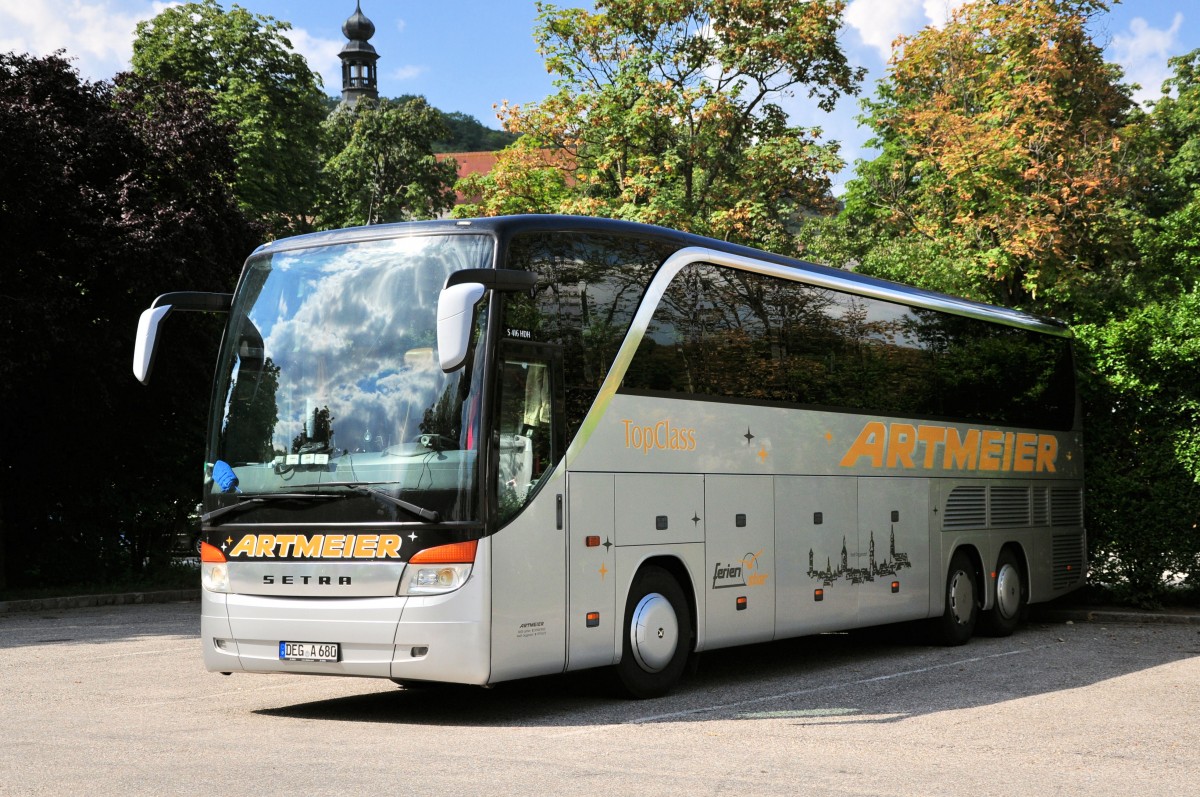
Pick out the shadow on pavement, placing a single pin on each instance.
(873, 675)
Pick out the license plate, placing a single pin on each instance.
(308, 651)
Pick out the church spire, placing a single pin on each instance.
(358, 58)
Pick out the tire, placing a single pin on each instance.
(957, 623)
(1012, 596)
(657, 635)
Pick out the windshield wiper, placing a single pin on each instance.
(314, 492)
(407, 505)
(248, 500)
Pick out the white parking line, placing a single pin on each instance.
(824, 688)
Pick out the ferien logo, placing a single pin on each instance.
(319, 546)
(902, 445)
(744, 573)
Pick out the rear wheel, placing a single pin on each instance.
(657, 635)
(957, 623)
(1011, 597)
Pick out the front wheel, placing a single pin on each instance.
(657, 635)
(957, 623)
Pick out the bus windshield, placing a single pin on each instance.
(328, 382)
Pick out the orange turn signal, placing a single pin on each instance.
(210, 553)
(454, 553)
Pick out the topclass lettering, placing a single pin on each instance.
(662, 435)
(902, 445)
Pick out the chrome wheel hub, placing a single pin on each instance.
(962, 597)
(1008, 591)
(654, 632)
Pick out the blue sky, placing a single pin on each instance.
(473, 54)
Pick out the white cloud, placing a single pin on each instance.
(879, 22)
(1142, 52)
(938, 12)
(321, 55)
(97, 34)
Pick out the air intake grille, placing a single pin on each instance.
(1009, 506)
(966, 508)
(1066, 506)
(1068, 560)
(1041, 506)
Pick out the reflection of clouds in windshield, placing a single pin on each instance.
(358, 310)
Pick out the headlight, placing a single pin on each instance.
(214, 577)
(433, 579)
(434, 571)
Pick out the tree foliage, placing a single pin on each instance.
(380, 164)
(1003, 142)
(259, 84)
(668, 112)
(1143, 374)
(1142, 385)
(468, 134)
(106, 194)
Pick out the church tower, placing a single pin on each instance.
(358, 59)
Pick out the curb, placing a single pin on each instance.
(1083, 614)
(88, 601)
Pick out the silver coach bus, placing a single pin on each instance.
(473, 451)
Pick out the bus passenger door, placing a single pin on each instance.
(528, 567)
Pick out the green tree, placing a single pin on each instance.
(108, 197)
(1004, 147)
(464, 133)
(1143, 368)
(380, 165)
(668, 112)
(525, 179)
(468, 134)
(1142, 391)
(261, 85)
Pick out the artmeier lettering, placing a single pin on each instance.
(663, 436)
(319, 546)
(903, 445)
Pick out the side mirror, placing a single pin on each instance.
(455, 313)
(456, 305)
(145, 345)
